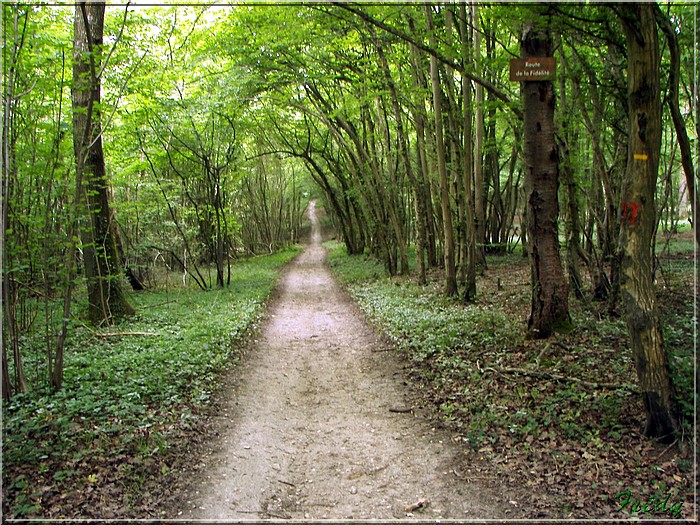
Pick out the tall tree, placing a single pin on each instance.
(469, 263)
(549, 300)
(403, 146)
(638, 214)
(450, 266)
(674, 106)
(102, 264)
(10, 331)
(479, 193)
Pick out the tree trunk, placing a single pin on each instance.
(450, 267)
(601, 203)
(468, 168)
(493, 209)
(479, 194)
(219, 212)
(10, 330)
(638, 217)
(343, 213)
(423, 177)
(102, 265)
(674, 106)
(406, 159)
(550, 302)
(572, 228)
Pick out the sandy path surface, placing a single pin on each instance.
(315, 425)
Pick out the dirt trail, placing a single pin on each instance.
(314, 428)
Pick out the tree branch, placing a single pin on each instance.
(489, 86)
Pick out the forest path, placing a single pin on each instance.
(313, 426)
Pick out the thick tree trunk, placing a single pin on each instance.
(550, 292)
(638, 211)
(102, 265)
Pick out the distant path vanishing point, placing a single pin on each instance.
(317, 424)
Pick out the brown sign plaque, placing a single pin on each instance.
(533, 69)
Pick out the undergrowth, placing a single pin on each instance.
(130, 392)
(560, 419)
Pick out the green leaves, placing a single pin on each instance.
(431, 326)
(534, 413)
(128, 397)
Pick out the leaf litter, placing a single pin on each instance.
(558, 421)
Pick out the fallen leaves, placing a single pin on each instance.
(557, 421)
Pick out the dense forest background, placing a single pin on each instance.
(157, 147)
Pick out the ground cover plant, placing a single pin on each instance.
(559, 420)
(132, 398)
(140, 138)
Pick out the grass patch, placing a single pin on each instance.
(86, 450)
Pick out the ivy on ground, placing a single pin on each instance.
(559, 421)
(131, 393)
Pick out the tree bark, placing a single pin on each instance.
(450, 267)
(602, 204)
(468, 168)
(423, 178)
(389, 232)
(479, 132)
(549, 301)
(433, 52)
(638, 217)
(102, 265)
(406, 158)
(572, 224)
(10, 330)
(674, 106)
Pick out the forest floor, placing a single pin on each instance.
(379, 398)
(558, 422)
(358, 395)
(317, 422)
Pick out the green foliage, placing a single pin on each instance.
(195, 101)
(678, 331)
(127, 396)
(353, 269)
(557, 411)
(429, 327)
